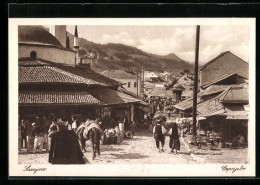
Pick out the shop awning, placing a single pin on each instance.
(214, 113)
(111, 97)
(237, 115)
(201, 118)
(56, 98)
(97, 96)
(184, 105)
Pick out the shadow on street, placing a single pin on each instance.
(129, 156)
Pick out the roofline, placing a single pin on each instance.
(58, 104)
(217, 57)
(113, 72)
(234, 101)
(63, 83)
(218, 80)
(44, 45)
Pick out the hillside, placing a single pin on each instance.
(124, 57)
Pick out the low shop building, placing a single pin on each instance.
(225, 113)
(47, 88)
(223, 101)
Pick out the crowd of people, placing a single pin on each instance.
(156, 126)
(58, 136)
(161, 105)
(51, 135)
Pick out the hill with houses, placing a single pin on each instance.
(113, 56)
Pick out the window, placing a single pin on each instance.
(33, 55)
(135, 84)
(129, 84)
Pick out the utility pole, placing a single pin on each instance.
(195, 92)
(137, 84)
(143, 80)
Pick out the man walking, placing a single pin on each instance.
(23, 134)
(46, 127)
(158, 132)
(75, 123)
(37, 132)
(29, 138)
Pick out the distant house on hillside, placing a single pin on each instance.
(166, 75)
(150, 74)
(152, 77)
(226, 67)
(186, 79)
(130, 81)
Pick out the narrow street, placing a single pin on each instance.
(139, 150)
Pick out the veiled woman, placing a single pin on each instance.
(174, 138)
(65, 148)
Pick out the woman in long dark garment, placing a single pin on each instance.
(174, 138)
(158, 132)
(65, 147)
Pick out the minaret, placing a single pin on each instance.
(76, 44)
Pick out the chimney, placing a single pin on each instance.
(59, 31)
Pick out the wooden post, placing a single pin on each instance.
(132, 112)
(137, 85)
(143, 80)
(194, 109)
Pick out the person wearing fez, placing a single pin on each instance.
(65, 148)
(158, 132)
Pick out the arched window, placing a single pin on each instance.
(33, 55)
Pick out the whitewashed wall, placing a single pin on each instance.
(47, 53)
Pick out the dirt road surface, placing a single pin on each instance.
(139, 150)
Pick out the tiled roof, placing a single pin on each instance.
(217, 57)
(213, 89)
(96, 96)
(123, 90)
(118, 74)
(56, 97)
(109, 97)
(210, 107)
(88, 74)
(214, 59)
(26, 61)
(235, 94)
(48, 74)
(223, 77)
(232, 94)
(186, 104)
(187, 94)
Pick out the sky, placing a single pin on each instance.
(179, 40)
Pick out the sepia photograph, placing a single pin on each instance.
(132, 97)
